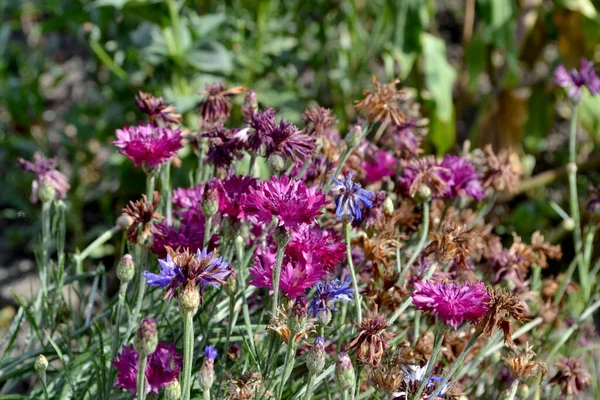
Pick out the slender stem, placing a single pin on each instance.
(207, 230)
(309, 386)
(343, 160)
(206, 395)
(42, 376)
(116, 341)
(276, 278)
(423, 239)
(46, 208)
(345, 395)
(437, 347)
(61, 210)
(584, 264)
(242, 282)
(380, 131)
(141, 378)
(513, 390)
(563, 339)
(288, 366)
(150, 181)
(457, 364)
(105, 237)
(166, 192)
(357, 297)
(230, 323)
(188, 354)
(142, 260)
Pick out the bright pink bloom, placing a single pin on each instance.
(230, 193)
(163, 366)
(148, 145)
(289, 200)
(319, 247)
(451, 303)
(383, 164)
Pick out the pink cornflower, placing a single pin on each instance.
(451, 303)
(317, 246)
(163, 366)
(383, 164)
(576, 79)
(290, 201)
(230, 193)
(45, 173)
(148, 145)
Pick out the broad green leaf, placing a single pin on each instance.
(442, 133)
(475, 61)
(439, 75)
(212, 58)
(203, 25)
(279, 45)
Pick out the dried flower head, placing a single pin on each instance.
(372, 340)
(289, 326)
(521, 363)
(500, 171)
(543, 250)
(318, 120)
(245, 387)
(381, 104)
(454, 243)
(421, 174)
(157, 109)
(216, 105)
(503, 306)
(571, 376)
(144, 217)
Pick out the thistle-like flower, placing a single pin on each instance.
(148, 145)
(381, 104)
(522, 365)
(45, 173)
(575, 80)
(350, 198)
(215, 107)
(571, 377)
(157, 109)
(372, 339)
(291, 323)
(144, 217)
(244, 387)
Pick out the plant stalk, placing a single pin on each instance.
(357, 297)
(437, 347)
(276, 278)
(188, 354)
(141, 378)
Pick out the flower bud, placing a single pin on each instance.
(145, 238)
(315, 359)
(388, 206)
(46, 192)
(206, 376)
(344, 372)
(571, 168)
(423, 193)
(568, 224)
(353, 136)
(231, 284)
(124, 221)
(125, 269)
(173, 390)
(276, 162)
(210, 200)
(281, 236)
(189, 299)
(324, 317)
(523, 391)
(239, 241)
(41, 364)
(146, 337)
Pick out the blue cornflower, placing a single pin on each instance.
(413, 376)
(181, 269)
(210, 352)
(350, 197)
(328, 293)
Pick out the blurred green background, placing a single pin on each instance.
(481, 69)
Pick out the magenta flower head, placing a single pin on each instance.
(289, 200)
(45, 174)
(575, 80)
(382, 164)
(163, 366)
(225, 145)
(451, 303)
(148, 145)
(230, 193)
(462, 178)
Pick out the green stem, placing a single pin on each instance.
(141, 261)
(166, 192)
(437, 347)
(345, 395)
(188, 354)
(207, 229)
(206, 395)
(288, 366)
(357, 297)
(309, 386)
(242, 282)
(380, 131)
(573, 198)
(46, 208)
(174, 16)
(150, 180)
(423, 238)
(276, 278)
(120, 302)
(457, 364)
(105, 237)
(343, 160)
(513, 390)
(141, 378)
(61, 210)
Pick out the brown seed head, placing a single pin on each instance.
(503, 306)
(381, 104)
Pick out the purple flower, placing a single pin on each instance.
(350, 198)
(261, 122)
(216, 105)
(163, 366)
(328, 293)
(230, 194)
(225, 145)
(188, 234)
(45, 173)
(148, 145)
(289, 200)
(210, 352)
(451, 303)
(576, 80)
(157, 109)
(382, 164)
(406, 138)
(462, 178)
(320, 247)
(187, 201)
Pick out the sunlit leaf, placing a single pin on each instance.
(439, 75)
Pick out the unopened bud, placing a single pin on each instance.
(173, 390)
(353, 136)
(145, 238)
(46, 192)
(206, 376)
(388, 206)
(523, 391)
(189, 299)
(146, 337)
(210, 200)
(124, 221)
(315, 359)
(344, 372)
(568, 224)
(281, 236)
(276, 162)
(423, 193)
(125, 269)
(231, 285)
(41, 364)
(324, 317)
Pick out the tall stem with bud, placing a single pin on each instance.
(189, 300)
(282, 238)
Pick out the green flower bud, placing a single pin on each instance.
(423, 193)
(124, 221)
(46, 192)
(189, 299)
(173, 390)
(324, 317)
(523, 391)
(145, 238)
(41, 364)
(206, 376)
(146, 337)
(210, 201)
(125, 269)
(388, 206)
(276, 162)
(315, 359)
(353, 136)
(231, 284)
(344, 372)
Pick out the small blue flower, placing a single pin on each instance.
(350, 197)
(413, 376)
(210, 352)
(216, 271)
(330, 292)
(168, 273)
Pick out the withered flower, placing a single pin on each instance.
(544, 250)
(216, 105)
(500, 171)
(318, 120)
(452, 243)
(372, 339)
(571, 376)
(388, 376)
(502, 306)
(521, 363)
(383, 290)
(292, 323)
(144, 216)
(381, 104)
(156, 108)
(423, 176)
(244, 387)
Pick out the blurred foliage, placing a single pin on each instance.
(69, 70)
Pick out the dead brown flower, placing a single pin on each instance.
(456, 341)
(318, 120)
(372, 339)
(155, 107)
(381, 104)
(454, 242)
(215, 108)
(544, 250)
(500, 171)
(383, 290)
(285, 324)
(503, 305)
(426, 175)
(245, 387)
(571, 376)
(144, 215)
(521, 363)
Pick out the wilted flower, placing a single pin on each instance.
(499, 171)
(372, 340)
(291, 323)
(575, 80)
(157, 109)
(318, 121)
(453, 243)
(501, 307)
(543, 250)
(45, 174)
(328, 293)
(216, 105)
(224, 145)
(381, 104)
(420, 173)
(144, 217)
(406, 138)
(451, 303)
(571, 377)
(462, 180)
(147, 145)
(522, 365)
(245, 387)
(350, 198)
(163, 366)
(289, 200)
